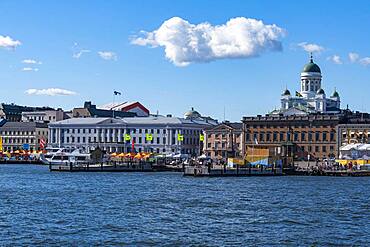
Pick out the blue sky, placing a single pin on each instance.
(51, 32)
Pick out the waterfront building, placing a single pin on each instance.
(13, 112)
(154, 134)
(136, 107)
(46, 116)
(302, 137)
(90, 110)
(223, 140)
(355, 151)
(23, 135)
(355, 130)
(311, 98)
(296, 137)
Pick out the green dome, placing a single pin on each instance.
(286, 92)
(335, 94)
(320, 91)
(311, 67)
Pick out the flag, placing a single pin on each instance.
(127, 137)
(201, 138)
(42, 143)
(1, 144)
(298, 94)
(149, 137)
(180, 137)
(117, 93)
(256, 141)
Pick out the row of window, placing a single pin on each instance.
(139, 140)
(130, 131)
(18, 140)
(317, 149)
(288, 136)
(19, 133)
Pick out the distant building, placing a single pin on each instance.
(155, 134)
(224, 140)
(90, 110)
(23, 135)
(311, 98)
(195, 115)
(134, 107)
(13, 113)
(47, 116)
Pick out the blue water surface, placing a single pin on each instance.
(40, 208)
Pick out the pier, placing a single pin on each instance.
(224, 171)
(114, 167)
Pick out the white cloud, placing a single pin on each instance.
(335, 59)
(186, 43)
(108, 55)
(79, 53)
(353, 57)
(50, 92)
(30, 69)
(31, 61)
(365, 61)
(9, 43)
(310, 47)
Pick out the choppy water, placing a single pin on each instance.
(39, 208)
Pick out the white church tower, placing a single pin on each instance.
(311, 97)
(310, 79)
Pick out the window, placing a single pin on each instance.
(317, 148)
(164, 140)
(324, 149)
(158, 140)
(140, 139)
(332, 134)
(281, 136)
(303, 136)
(317, 136)
(274, 137)
(324, 136)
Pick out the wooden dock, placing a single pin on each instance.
(114, 167)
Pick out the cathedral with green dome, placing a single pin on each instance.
(311, 98)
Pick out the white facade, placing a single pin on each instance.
(109, 134)
(311, 98)
(47, 116)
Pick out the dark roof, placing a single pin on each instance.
(17, 109)
(286, 92)
(320, 91)
(311, 67)
(94, 112)
(23, 126)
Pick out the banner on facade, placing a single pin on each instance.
(149, 137)
(180, 137)
(127, 137)
(201, 138)
(1, 144)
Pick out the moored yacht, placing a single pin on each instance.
(64, 156)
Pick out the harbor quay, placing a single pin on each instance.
(309, 133)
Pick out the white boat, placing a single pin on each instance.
(63, 156)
